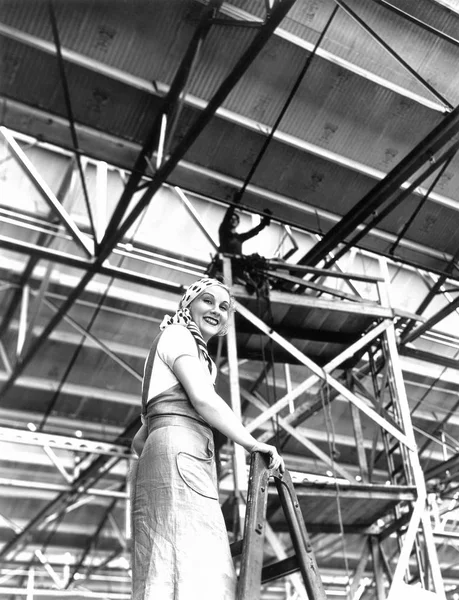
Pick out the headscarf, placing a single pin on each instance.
(183, 315)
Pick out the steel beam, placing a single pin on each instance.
(320, 374)
(76, 593)
(359, 570)
(43, 240)
(429, 357)
(299, 80)
(401, 13)
(71, 118)
(377, 568)
(63, 442)
(93, 540)
(71, 260)
(81, 240)
(451, 465)
(400, 196)
(431, 322)
(407, 167)
(90, 336)
(113, 235)
(392, 52)
(60, 487)
(194, 215)
(168, 104)
(299, 437)
(310, 381)
(264, 194)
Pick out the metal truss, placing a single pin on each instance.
(83, 483)
(381, 312)
(73, 444)
(80, 487)
(114, 233)
(385, 190)
(349, 11)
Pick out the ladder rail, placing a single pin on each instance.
(252, 570)
(254, 530)
(303, 548)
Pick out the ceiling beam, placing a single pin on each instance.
(439, 137)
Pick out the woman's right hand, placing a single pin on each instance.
(276, 460)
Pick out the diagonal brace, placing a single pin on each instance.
(321, 374)
(47, 194)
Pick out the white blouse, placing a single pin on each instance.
(175, 341)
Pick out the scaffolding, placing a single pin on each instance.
(404, 509)
(354, 331)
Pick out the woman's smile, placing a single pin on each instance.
(211, 320)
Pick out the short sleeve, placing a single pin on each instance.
(174, 342)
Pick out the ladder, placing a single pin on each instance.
(253, 573)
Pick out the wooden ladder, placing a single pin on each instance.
(253, 573)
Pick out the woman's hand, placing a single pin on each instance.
(276, 460)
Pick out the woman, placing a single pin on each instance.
(180, 544)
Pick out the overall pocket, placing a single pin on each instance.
(197, 473)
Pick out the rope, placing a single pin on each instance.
(326, 405)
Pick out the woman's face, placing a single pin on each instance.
(210, 311)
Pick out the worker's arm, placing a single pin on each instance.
(265, 222)
(198, 386)
(225, 224)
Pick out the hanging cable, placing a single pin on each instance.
(68, 104)
(331, 441)
(284, 109)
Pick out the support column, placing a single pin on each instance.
(377, 568)
(239, 464)
(420, 515)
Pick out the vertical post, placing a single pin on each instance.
(239, 465)
(359, 571)
(30, 583)
(419, 512)
(288, 387)
(377, 568)
(431, 551)
(162, 138)
(23, 320)
(358, 434)
(101, 200)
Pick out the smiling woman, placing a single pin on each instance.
(180, 544)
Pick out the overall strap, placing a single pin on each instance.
(147, 374)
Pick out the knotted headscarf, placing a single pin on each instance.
(183, 315)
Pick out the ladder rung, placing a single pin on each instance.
(393, 448)
(280, 568)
